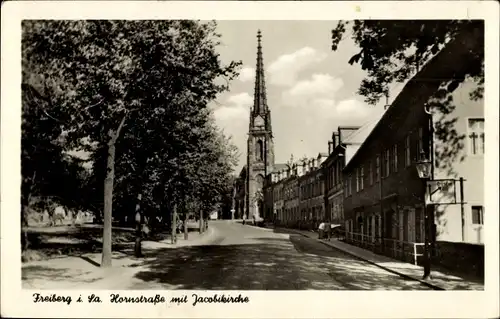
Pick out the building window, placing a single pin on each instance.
(395, 158)
(361, 177)
(476, 136)
(259, 150)
(358, 173)
(334, 175)
(387, 167)
(338, 168)
(420, 142)
(370, 173)
(407, 151)
(349, 185)
(477, 215)
(377, 168)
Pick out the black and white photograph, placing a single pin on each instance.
(234, 155)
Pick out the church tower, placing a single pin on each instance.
(260, 152)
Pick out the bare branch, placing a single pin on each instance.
(90, 106)
(117, 133)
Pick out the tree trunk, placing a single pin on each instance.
(185, 225)
(108, 206)
(108, 195)
(201, 221)
(24, 226)
(174, 225)
(138, 227)
(24, 213)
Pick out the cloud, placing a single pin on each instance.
(352, 108)
(240, 100)
(233, 117)
(319, 84)
(285, 69)
(226, 114)
(247, 74)
(319, 90)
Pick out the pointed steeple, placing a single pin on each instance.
(260, 107)
(260, 97)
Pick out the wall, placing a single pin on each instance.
(464, 164)
(461, 257)
(402, 190)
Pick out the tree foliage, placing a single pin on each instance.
(137, 89)
(391, 51)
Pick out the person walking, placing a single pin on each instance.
(328, 230)
(321, 230)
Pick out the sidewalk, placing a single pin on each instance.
(440, 280)
(75, 272)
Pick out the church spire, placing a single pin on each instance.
(260, 98)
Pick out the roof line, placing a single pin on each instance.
(424, 73)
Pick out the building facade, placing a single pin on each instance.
(291, 195)
(332, 168)
(260, 146)
(385, 200)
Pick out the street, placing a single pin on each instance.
(249, 258)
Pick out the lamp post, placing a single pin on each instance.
(424, 169)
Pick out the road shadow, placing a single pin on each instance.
(53, 242)
(269, 264)
(54, 275)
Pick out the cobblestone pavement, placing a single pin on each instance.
(245, 257)
(233, 257)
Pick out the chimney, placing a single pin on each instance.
(330, 147)
(320, 160)
(336, 139)
(386, 106)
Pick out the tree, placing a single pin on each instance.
(48, 172)
(393, 50)
(128, 84)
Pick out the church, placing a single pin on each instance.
(260, 150)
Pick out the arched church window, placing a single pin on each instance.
(259, 150)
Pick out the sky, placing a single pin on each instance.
(311, 90)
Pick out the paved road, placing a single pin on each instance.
(243, 257)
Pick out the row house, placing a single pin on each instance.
(312, 205)
(291, 195)
(384, 198)
(295, 193)
(344, 142)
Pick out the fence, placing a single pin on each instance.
(397, 249)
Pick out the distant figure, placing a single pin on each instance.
(321, 230)
(328, 230)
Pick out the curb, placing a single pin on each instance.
(375, 264)
(261, 228)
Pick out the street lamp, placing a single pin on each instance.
(424, 167)
(424, 170)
